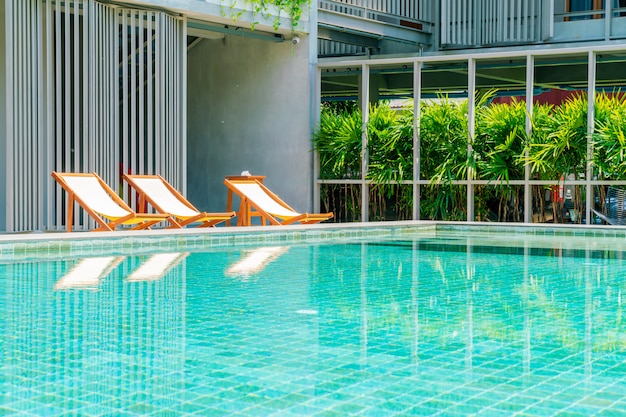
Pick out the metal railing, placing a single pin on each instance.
(493, 22)
(400, 12)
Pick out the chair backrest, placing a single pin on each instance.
(615, 205)
(91, 192)
(255, 192)
(158, 192)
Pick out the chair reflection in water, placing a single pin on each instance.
(156, 266)
(255, 261)
(88, 273)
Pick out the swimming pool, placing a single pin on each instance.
(424, 321)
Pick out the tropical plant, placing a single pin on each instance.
(390, 149)
(338, 141)
(558, 147)
(499, 148)
(444, 143)
(343, 200)
(609, 140)
(540, 117)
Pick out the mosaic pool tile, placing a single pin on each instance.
(344, 327)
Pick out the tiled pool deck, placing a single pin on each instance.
(24, 246)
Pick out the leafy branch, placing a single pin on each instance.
(292, 8)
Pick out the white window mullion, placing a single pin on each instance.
(89, 88)
(27, 135)
(150, 95)
(142, 43)
(115, 18)
(58, 94)
(125, 158)
(365, 93)
(158, 95)
(417, 141)
(66, 91)
(591, 109)
(168, 95)
(10, 121)
(75, 87)
(19, 122)
(98, 80)
(49, 134)
(169, 149)
(17, 99)
(132, 114)
(27, 120)
(471, 118)
(530, 82)
(39, 96)
(65, 71)
(172, 98)
(182, 115)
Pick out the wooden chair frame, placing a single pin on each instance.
(142, 221)
(178, 221)
(249, 208)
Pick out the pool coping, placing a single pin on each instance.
(27, 246)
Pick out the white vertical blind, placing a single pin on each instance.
(25, 121)
(76, 104)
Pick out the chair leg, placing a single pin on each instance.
(243, 219)
(70, 212)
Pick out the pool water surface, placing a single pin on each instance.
(448, 325)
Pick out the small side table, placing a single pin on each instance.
(243, 216)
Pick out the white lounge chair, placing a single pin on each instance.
(155, 190)
(101, 203)
(258, 200)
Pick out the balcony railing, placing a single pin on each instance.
(467, 23)
(487, 23)
(406, 13)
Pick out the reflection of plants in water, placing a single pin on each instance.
(553, 321)
(607, 310)
(567, 317)
(444, 297)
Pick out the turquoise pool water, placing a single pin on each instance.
(448, 324)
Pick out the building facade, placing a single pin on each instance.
(419, 50)
(176, 88)
(196, 90)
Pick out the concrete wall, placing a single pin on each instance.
(3, 125)
(249, 109)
